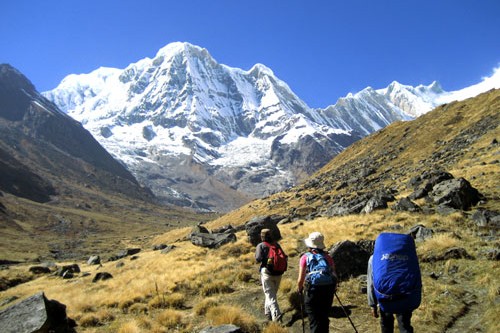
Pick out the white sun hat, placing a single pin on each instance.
(315, 240)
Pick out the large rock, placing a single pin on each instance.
(256, 224)
(212, 241)
(36, 314)
(455, 193)
(351, 259)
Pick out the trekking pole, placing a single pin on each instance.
(355, 330)
(302, 312)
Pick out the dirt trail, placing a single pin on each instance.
(469, 317)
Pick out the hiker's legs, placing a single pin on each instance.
(270, 285)
(318, 303)
(386, 322)
(404, 322)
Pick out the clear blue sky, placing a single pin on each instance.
(323, 49)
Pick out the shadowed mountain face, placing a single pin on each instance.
(41, 147)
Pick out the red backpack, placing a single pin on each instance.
(277, 260)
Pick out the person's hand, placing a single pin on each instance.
(374, 312)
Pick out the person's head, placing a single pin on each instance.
(316, 240)
(266, 236)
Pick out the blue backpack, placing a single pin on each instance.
(318, 272)
(396, 273)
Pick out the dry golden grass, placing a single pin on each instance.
(227, 314)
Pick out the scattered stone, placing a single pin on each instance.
(229, 328)
(67, 271)
(102, 276)
(94, 260)
(159, 247)
(36, 314)
(405, 204)
(420, 233)
(167, 249)
(212, 241)
(39, 270)
(486, 219)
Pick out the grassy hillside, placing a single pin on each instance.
(191, 287)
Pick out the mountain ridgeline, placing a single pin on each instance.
(42, 146)
(208, 136)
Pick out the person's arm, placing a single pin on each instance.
(302, 274)
(372, 300)
(259, 255)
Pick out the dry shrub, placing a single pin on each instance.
(89, 320)
(130, 327)
(175, 300)
(438, 244)
(225, 314)
(244, 276)
(216, 287)
(138, 308)
(170, 318)
(104, 315)
(274, 328)
(202, 307)
(287, 285)
(125, 305)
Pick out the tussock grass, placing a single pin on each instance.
(274, 328)
(170, 318)
(204, 305)
(227, 314)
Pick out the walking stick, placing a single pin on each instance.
(302, 312)
(355, 330)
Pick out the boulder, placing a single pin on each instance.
(67, 271)
(102, 276)
(420, 233)
(350, 259)
(256, 224)
(405, 204)
(211, 241)
(39, 269)
(455, 193)
(94, 260)
(486, 219)
(228, 328)
(36, 314)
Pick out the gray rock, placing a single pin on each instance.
(256, 224)
(212, 241)
(229, 328)
(36, 314)
(350, 259)
(455, 193)
(94, 260)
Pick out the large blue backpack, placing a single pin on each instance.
(319, 272)
(396, 273)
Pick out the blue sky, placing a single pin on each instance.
(323, 49)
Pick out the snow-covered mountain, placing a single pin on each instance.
(202, 134)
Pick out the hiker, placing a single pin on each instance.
(317, 281)
(393, 281)
(270, 272)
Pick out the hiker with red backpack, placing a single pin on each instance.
(273, 263)
(394, 281)
(317, 281)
